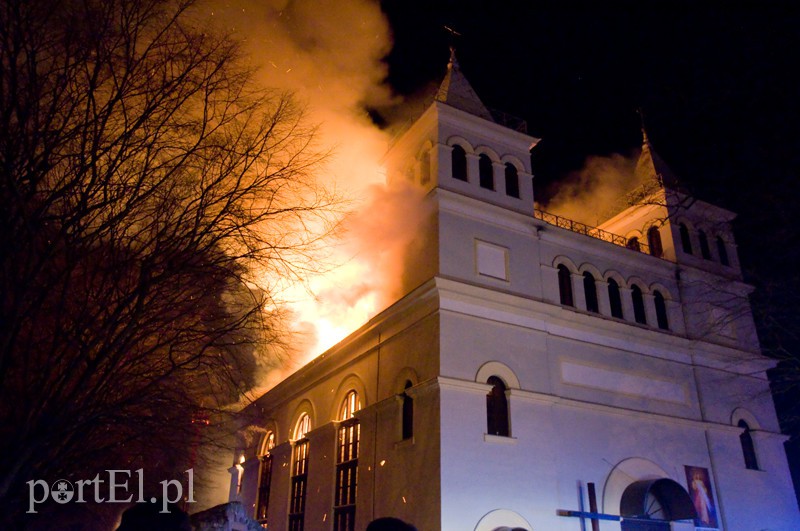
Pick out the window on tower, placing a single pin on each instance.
(705, 251)
(497, 408)
(638, 305)
(654, 242)
(512, 180)
(459, 163)
(425, 168)
(590, 290)
(614, 298)
(565, 285)
(686, 242)
(661, 310)
(486, 172)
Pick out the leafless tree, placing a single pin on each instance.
(149, 190)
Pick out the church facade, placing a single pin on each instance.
(538, 374)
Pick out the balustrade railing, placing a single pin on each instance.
(593, 232)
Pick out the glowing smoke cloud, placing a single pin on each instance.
(589, 194)
(329, 53)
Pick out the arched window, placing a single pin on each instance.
(425, 168)
(704, 249)
(654, 242)
(349, 432)
(748, 448)
(590, 290)
(497, 408)
(486, 172)
(722, 251)
(686, 241)
(512, 180)
(297, 504)
(565, 285)
(633, 243)
(614, 298)
(459, 163)
(408, 413)
(638, 305)
(661, 310)
(265, 478)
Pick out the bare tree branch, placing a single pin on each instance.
(150, 195)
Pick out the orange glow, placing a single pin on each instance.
(330, 56)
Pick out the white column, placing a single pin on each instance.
(627, 304)
(675, 317)
(499, 177)
(650, 309)
(442, 163)
(472, 168)
(603, 302)
(578, 296)
(526, 187)
(550, 284)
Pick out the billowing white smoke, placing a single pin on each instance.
(330, 54)
(589, 194)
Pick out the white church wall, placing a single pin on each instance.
(406, 472)
(553, 445)
(468, 342)
(753, 499)
(464, 225)
(592, 398)
(724, 391)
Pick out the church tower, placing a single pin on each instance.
(475, 172)
(536, 373)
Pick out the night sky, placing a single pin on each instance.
(718, 85)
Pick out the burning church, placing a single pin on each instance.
(537, 373)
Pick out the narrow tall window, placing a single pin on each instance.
(297, 503)
(722, 251)
(614, 298)
(497, 408)
(486, 172)
(459, 162)
(512, 180)
(425, 168)
(565, 285)
(704, 249)
(638, 305)
(686, 242)
(748, 448)
(590, 290)
(265, 479)
(654, 242)
(349, 432)
(408, 413)
(633, 244)
(661, 310)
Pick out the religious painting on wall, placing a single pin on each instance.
(702, 497)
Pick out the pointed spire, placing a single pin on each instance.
(453, 59)
(457, 92)
(651, 168)
(645, 140)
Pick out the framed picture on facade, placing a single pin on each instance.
(699, 483)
